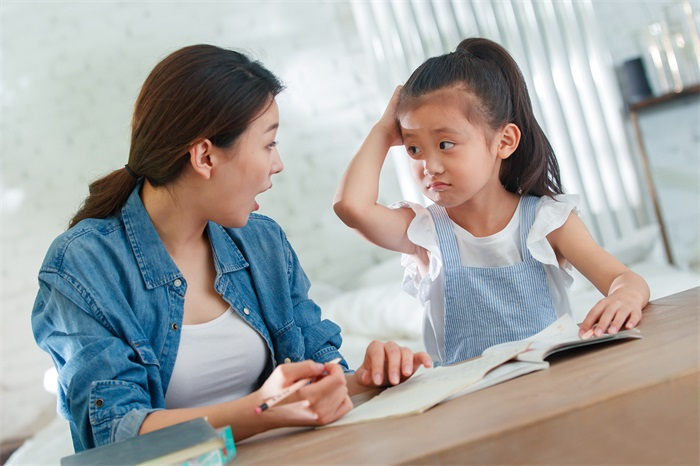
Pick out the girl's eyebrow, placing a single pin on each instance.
(441, 130)
(444, 130)
(272, 126)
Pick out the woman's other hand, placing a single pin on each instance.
(389, 364)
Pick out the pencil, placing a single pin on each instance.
(273, 400)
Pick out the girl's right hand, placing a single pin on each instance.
(322, 401)
(388, 123)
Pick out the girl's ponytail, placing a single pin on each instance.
(533, 167)
(107, 196)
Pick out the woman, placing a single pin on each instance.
(168, 299)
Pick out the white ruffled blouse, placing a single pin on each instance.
(497, 250)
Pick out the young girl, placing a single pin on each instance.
(488, 258)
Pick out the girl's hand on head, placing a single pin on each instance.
(320, 402)
(389, 364)
(618, 311)
(388, 122)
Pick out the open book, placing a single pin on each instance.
(497, 364)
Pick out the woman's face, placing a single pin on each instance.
(247, 169)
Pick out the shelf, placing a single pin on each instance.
(634, 110)
(669, 97)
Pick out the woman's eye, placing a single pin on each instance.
(446, 145)
(272, 145)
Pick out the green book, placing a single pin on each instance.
(171, 445)
(219, 457)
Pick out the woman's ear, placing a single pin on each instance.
(509, 140)
(201, 158)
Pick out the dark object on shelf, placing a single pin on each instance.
(636, 84)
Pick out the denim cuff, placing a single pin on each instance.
(129, 425)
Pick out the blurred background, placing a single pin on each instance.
(614, 83)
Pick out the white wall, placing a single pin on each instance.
(70, 74)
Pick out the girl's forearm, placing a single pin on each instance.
(359, 188)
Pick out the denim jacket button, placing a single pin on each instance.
(99, 402)
(177, 282)
(174, 326)
(246, 311)
(287, 360)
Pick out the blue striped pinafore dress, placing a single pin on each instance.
(485, 306)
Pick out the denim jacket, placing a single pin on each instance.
(110, 306)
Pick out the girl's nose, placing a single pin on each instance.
(431, 166)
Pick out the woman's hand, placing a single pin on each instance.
(389, 364)
(323, 400)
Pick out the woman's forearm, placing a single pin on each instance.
(239, 414)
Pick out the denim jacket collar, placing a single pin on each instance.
(156, 266)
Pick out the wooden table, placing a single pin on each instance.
(631, 402)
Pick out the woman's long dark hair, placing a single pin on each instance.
(197, 92)
(498, 94)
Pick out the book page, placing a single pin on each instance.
(428, 387)
(507, 371)
(562, 334)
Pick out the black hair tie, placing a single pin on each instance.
(130, 171)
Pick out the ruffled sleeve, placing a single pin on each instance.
(551, 214)
(421, 232)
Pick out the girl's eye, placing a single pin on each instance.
(412, 150)
(444, 145)
(272, 145)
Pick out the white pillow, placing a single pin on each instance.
(321, 291)
(636, 246)
(384, 312)
(388, 271)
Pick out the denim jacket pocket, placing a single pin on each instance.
(145, 353)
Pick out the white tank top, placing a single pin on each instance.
(217, 361)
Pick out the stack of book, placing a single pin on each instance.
(191, 443)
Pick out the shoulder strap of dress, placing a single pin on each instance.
(528, 208)
(445, 235)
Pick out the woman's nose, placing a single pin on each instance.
(277, 165)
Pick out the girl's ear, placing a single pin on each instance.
(201, 158)
(509, 140)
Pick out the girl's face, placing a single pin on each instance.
(452, 159)
(248, 167)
